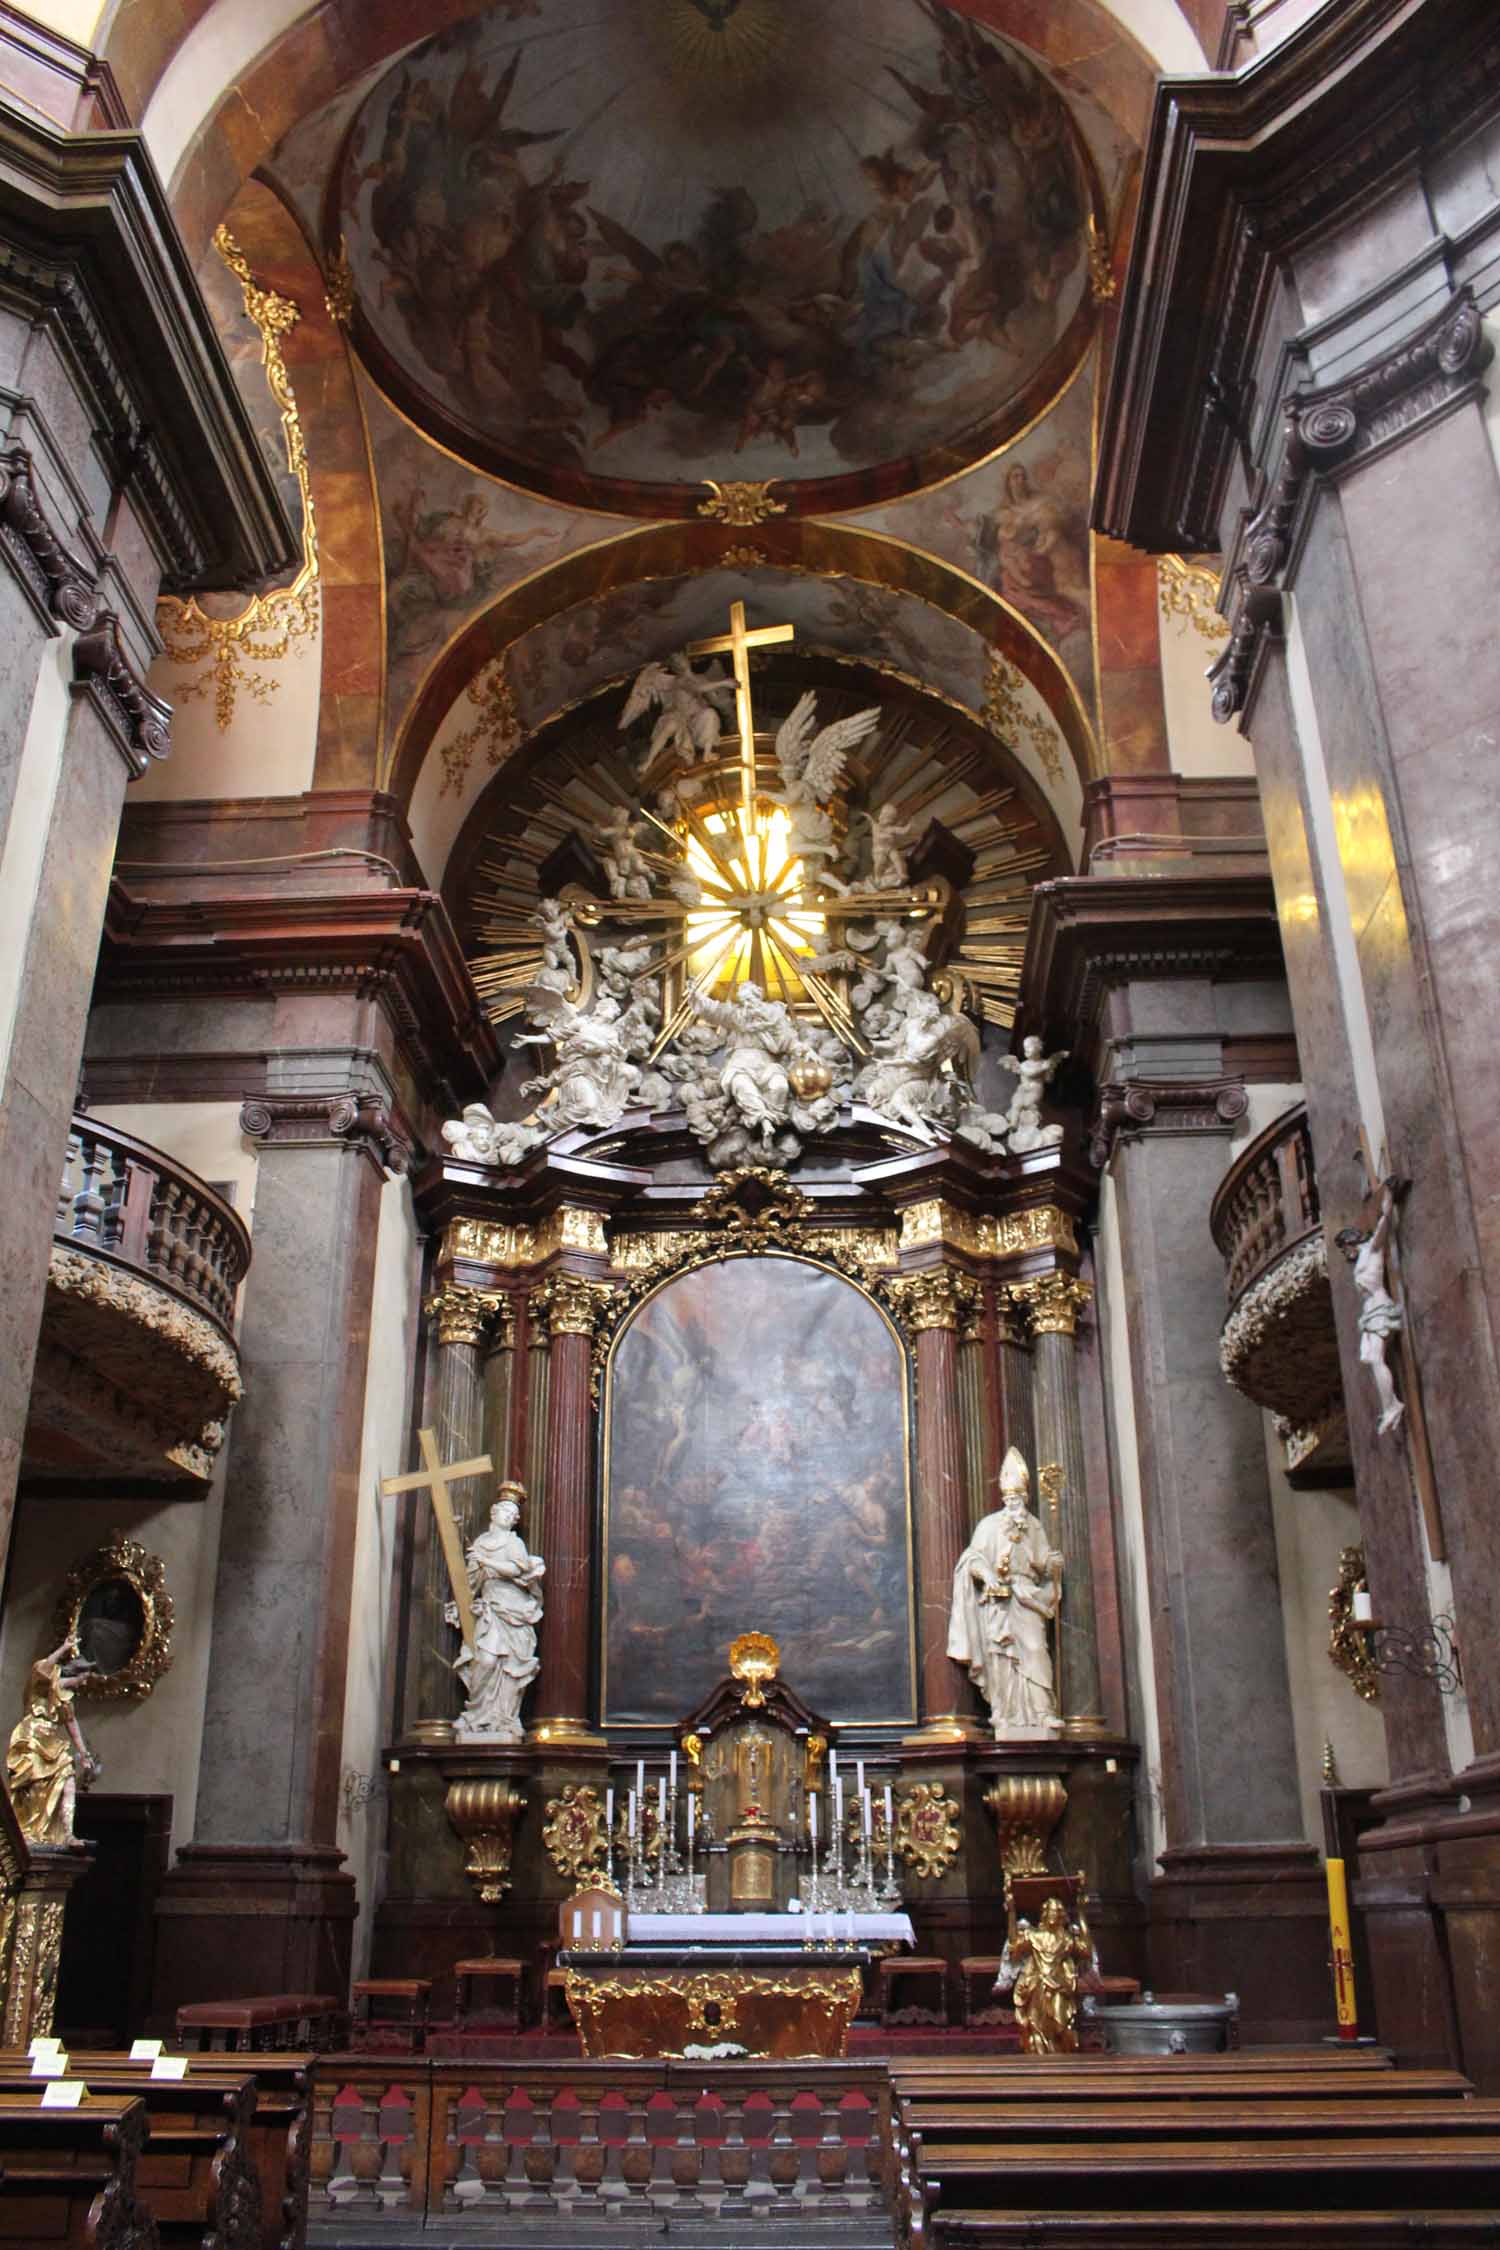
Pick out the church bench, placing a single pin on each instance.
(67, 2176)
(277, 2134)
(275, 2021)
(195, 2169)
(934, 2122)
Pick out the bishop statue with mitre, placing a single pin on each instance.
(1006, 1589)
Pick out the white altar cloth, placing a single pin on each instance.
(769, 1929)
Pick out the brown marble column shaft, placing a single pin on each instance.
(460, 1319)
(1053, 1304)
(569, 1304)
(932, 1303)
(1013, 1370)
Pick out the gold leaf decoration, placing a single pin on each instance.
(741, 506)
(1191, 590)
(928, 1834)
(496, 731)
(1008, 718)
(271, 624)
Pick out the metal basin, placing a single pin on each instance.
(1178, 2023)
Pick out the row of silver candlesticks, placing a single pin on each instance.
(662, 1869)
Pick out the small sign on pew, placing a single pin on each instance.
(63, 2093)
(53, 2063)
(44, 2047)
(170, 2066)
(145, 2050)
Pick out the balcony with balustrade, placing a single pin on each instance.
(1279, 1344)
(137, 1367)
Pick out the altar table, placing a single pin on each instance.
(773, 1985)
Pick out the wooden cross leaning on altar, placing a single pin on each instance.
(434, 1479)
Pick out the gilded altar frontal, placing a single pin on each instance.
(749, 982)
(757, 1465)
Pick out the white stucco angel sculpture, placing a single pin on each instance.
(1006, 1589)
(594, 1079)
(812, 760)
(762, 1042)
(479, 1138)
(919, 1075)
(689, 720)
(890, 837)
(1034, 1072)
(504, 1584)
(626, 868)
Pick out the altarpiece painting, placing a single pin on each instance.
(757, 1477)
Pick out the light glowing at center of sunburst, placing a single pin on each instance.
(753, 924)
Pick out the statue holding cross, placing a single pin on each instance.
(496, 1601)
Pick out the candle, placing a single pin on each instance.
(1343, 1951)
(1364, 1613)
(674, 1772)
(812, 1819)
(640, 1777)
(865, 1808)
(609, 1811)
(661, 1800)
(691, 1817)
(859, 1775)
(630, 1805)
(890, 1831)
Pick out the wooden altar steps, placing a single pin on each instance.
(1259, 2148)
(213, 2161)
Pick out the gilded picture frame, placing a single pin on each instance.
(115, 1609)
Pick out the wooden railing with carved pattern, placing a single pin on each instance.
(1267, 1202)
(129, 1203)
(604, 2145)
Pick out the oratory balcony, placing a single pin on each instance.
(137, 1368)
(1278, 1344)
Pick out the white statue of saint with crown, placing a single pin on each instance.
(1007, 1586)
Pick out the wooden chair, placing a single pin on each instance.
(390, 2014)
(900, 1973)
(488, 1993)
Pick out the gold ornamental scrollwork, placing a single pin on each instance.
(574, 1834)
(484, 1815)
(466, 1316)
(1351, 1647)
(1052, 1302)
(609, 2010)
(570, 1304)
(740, 504)
(270, 624)
(928, 1831)
(115, 1602)
(1191, 590)
(754, 1658)
(1027, 1808)
(1041, 1226)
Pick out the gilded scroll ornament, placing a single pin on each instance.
(1027, 1808)
(574, 1834)
(1103, 287)
(928, 1834)
(754, 1658)
(1190, 590)
(116, 1614)
(484, 1814)
(495, 730)
(1011, 720)
(272, 623)
(338, 287)
(1351, 1645)
(741, 505)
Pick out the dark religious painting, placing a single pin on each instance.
(658, 240)
(757, 1480)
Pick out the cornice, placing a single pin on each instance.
(1238, 170)
(1089, 932)
(88, 246)
(394, 946)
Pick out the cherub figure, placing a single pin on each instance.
(555, 923)
(1380, 1317)
(690, 722)
(594, 1079)
(479, 1138)
(1034, 1072)
(910, 1080)
(890, 836)
(813, 765)
(626, 868)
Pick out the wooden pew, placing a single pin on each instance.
(279, 2132)
(67, 2176)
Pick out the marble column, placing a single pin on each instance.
(932, 1304)
(1013, 1368)
(570, 1305)
(460, 1319)
(259, 1902)
(1052, 1303)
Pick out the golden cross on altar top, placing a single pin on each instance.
(739, 643)
(433, 1478)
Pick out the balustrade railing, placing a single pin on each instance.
(602, 2144)
(131, 1204)
(1267, 1202)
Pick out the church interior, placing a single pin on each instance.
(743, 1122)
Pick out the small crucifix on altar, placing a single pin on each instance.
(434, 1479)
(737, 643)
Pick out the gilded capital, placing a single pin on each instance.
(569, 1304)
(940, 1298)
(1052, 1302)
(464, 1316)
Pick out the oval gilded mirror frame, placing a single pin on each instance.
(126, 1562)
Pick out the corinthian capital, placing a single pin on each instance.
(1052, 1302)
(939, 1298)
(569, 1304)
(464, 1316)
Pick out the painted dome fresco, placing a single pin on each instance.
(610, 250)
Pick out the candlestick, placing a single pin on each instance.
(609, 1835)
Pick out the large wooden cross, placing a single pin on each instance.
(738, 642)
(433, 1478)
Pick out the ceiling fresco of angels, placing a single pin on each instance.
(666, 240)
